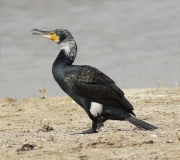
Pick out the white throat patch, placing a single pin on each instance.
(70, 49)
(96, 109)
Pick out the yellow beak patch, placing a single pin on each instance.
(52, 36)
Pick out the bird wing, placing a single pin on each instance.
(94, 85)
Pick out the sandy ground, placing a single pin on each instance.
(22, 123)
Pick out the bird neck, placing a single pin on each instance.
(62, 60)
(65, 58)
(67, 53)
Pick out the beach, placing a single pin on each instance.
(51, 128)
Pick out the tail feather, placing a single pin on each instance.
(140, 124)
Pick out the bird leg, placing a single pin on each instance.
(94, 126)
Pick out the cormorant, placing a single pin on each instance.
(94, 91)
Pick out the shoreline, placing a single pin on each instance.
(22, 122)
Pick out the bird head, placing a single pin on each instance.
(58, 35)
(62, 37)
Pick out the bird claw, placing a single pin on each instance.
(89, 131)
(100, 126)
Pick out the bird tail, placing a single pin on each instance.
(140, 124)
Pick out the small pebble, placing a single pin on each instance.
(169, 141)
(47, 128)
(26, 147)
(153, 135)
(148, 142)
(50, 138)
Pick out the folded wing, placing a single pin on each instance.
(94, 85)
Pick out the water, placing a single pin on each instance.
(136, 43)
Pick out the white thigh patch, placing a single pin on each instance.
(96, 109)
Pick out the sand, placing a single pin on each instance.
(51, 128)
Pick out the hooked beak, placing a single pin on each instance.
(51, 35)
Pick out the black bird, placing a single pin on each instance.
(94, 91)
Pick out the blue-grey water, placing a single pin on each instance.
(136, 43)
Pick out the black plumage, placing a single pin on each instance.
(94, 91)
